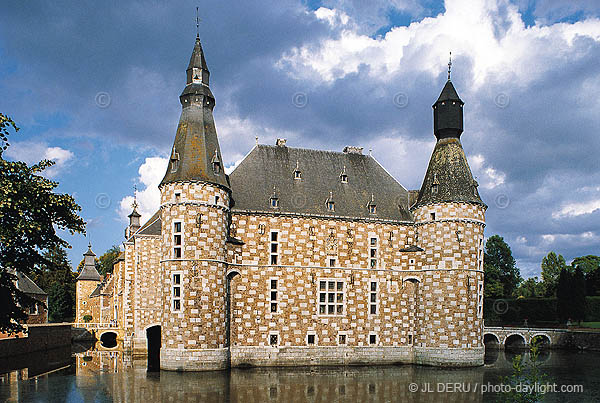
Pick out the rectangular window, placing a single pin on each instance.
(310, 339)
(410, 339)
(372, 339)
(33, 310)
(480, 300)
(342, 339)
(331, 297)
(373, 298)
(432, 216)
(274, 248)
(177, 239)
(373, 253)
(332, 262)
(273, 294)
(273, 339)
(176, 292)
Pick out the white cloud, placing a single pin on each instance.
(150, 173)
(576, 209)
(490, 33)
(32, 153)
(332, 16)
(487, 176)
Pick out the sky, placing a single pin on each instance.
(94, 86)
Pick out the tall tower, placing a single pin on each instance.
(450, 219)
(195, 203)
(86, 282)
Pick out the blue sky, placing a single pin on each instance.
(95, 85)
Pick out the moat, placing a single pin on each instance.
(91, 373)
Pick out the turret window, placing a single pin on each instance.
(177, 239)
(372, 209)
(274, 202)
(373, 253)
(274, 248)
(373, 298)
(216, 167)
(273, 294)
(297, 172)
(344, 176)
(330, 206)
(176, 292)
(174, 161)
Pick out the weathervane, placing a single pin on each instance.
(197, 24)
(134, 205)
(449, 65)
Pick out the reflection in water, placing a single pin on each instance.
(100, 375)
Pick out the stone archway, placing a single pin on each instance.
(108, 339)
(515, 341)
(153, 341)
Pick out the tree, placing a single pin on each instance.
(530, 288)
(587, 263)
(578, 304)
(30, 213)
(105, 263)
(592, 283)
(551, 268)
(499, 256)
(58, 280)
(493, 287)
(563, 296)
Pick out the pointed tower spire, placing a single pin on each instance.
(448, 177)
(196, 155)
(88, 271)
(448, 111)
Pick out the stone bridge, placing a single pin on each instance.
(104, 332)
(521, 337)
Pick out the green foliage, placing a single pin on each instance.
(30, 214)
(570, 294)
(525, 373)
(500, 268)
(552, 265)
(105, 263)
(592, 282)
(58, 280)
(530, 288)
(87, 318)
(587, 263)
(592, 311)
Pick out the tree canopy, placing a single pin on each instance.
(500, 268)
(30, 213)
(552, 265)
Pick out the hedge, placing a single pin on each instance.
(539, 311)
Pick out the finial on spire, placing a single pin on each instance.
(449, 65)
(197, 24)
(134, 205)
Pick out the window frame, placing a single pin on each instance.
(335, 301)
(376, 249)
(277, 245)
(273, 302)
(179, 286)
(175, 234)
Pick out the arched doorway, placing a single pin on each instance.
(490, 340)
(153, 342)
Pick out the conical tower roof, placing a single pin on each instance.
(88, 271)
(196, 155)
(448, 93)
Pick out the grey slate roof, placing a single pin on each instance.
(449, 169)
(88, 271)
(152, 226)
(448, 93)
(27, 285)
(270, 169)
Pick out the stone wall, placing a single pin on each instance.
(84, 304)
(39, 337)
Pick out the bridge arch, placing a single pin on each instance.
(491, 339)
(515, 340)
(544, 339)
(108, 339)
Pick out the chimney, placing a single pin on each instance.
(280, 142)
(353, 150)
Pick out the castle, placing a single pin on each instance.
(298, 257)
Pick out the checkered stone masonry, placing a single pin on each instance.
(194, 218)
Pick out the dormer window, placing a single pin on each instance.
(274, 200)
(435, 184)
(475, 186)
(174, 161)
(372, 206)
(216, 163)
(344, 176)
(330, 203)
(297, 172)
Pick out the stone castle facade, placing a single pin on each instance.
(298, 257)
